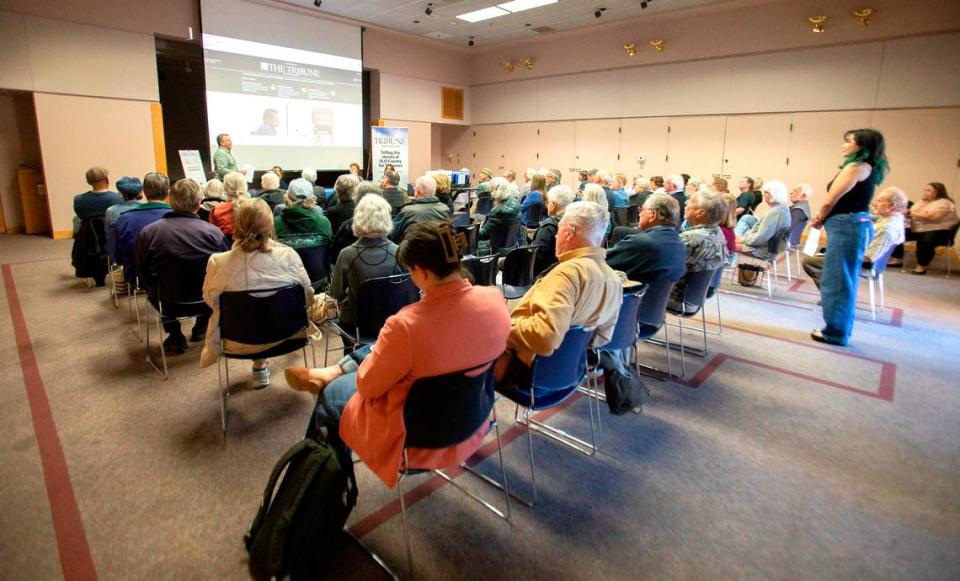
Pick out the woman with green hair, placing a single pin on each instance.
(845, 215)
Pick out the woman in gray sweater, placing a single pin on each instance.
(753, 235)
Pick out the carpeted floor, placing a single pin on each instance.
(774, 458)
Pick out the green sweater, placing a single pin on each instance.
(300, 227)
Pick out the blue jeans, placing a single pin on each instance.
(334, 397)
(847, 236)
(745, 223)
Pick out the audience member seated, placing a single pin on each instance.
(443, 190)
(213, 196)
(729, 221)
(341, 208)
(174, 242)
(310, 175)
(545, 239)
(745, 199)
(930, 222)
(299, 226)
(255, 262)
(88, 252)
(596, 194)
(580, 290)
(553, 178)
(281, 183)
(617, 194)
(641, 186)
(506, 210)
(123, 243)
(235, 189)
(391, 192)
(532, 205)
(132, 191)
(368, 388)
(706, 247)
(653, 252)
(423, 208)
(721, 186)
(344, 236)
(673, 185)
(355, 170)
(371, 256)
(270, 191)
(888, 227)
(754, 235)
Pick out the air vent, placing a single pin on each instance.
(544, 29)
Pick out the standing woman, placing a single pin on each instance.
(845, 215)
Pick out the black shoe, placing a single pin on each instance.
(818, 336)
(198, 335)
(175, 345)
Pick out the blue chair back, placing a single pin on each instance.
(653, 307)
(880, 264)
(484, 205)
(625, 333)
(460, 219)
(695, 291)
(563, 370)
(444, 410)
(798, 221)
(316, 260)
(380, 298)
(483, 269)
(503, 235)
(778, 243)
(257, 317)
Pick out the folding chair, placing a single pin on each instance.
(460, 219)
(694, 297)
(775, 247)
(175, 297)
(377, 299)
(650, 319)
(443, 411)
(553, 379)
(484, 205)
(874, 276)
(259, 317)
(483, 269)
(517, 273)
(503, 236)
(316, 261)
(470, 232)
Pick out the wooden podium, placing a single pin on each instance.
(33, 196)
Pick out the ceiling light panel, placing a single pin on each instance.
(521, 5)
(484, 14)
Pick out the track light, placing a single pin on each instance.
(429, 9)
(599, 12)
(317, 3)
(643, 5)
(817, 22)
(470, 42)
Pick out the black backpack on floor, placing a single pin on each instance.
(298, 524)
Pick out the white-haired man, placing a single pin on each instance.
(579, 290)
(545, 239)
(673, 186)
(423, 208)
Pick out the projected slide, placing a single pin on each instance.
(284, 106)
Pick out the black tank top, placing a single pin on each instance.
(857, 199)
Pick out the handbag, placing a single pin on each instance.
(624, 390)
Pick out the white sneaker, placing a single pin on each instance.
(261, 377)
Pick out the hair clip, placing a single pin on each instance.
(452, 241)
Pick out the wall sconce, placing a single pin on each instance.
(658, 44)
(527, 62)
(863, 15)
(817, 22)
(507, 66)
(631, 48)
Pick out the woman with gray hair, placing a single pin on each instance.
(344, 236)
(235, 189)
(212, 197)
(299, 226)
(344, 191)
(506, 210)
(754, 235)
(372, 255)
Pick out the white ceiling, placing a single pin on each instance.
(564, 15)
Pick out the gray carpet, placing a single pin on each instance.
(778, 464)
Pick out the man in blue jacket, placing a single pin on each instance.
(655, 253)
(122, 240)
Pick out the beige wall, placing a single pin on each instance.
(18, 146)
(79, 132)
(721, 30)
(416, 58)
(923, 145)
(416, 99)
(168, 18)
(56, 56)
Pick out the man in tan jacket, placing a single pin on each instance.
(580, 289)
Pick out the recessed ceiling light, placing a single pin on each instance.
(484, 14)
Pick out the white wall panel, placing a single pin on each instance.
(556, 148)
(694, 88)
(412, 99)
(505, 103)
(811, 80)
(456, 147)
(587, 96)
(757, 145)
(598, 143)
(488, 144)
(695, 145)
(920, 72)
(520, 145)
(644, 136)
(15, 70)
(923, 146)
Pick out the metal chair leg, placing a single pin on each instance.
(403, 519)
(683, 358)
(873, 303)
(789, 273)
(224, 394)
(880, 283)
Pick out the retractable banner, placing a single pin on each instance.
(390, 147)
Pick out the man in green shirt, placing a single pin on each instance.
(223, 160)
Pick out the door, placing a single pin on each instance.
(556, 149)
(521, 146)
(36, 213)
(695, 146)
(456, 146)
(598, 144)
(489, 142)
(756, 146)
(646, 137)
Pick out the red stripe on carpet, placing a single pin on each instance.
(369, 523)
(75, 558)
